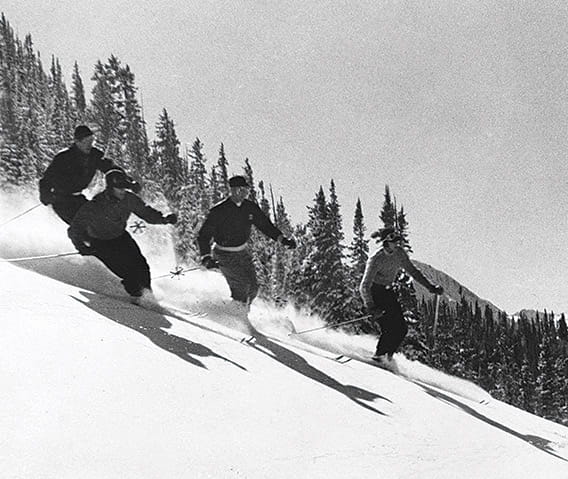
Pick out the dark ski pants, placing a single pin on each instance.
(66, 207)
(238, 269)
(393, 325)
(124, 258)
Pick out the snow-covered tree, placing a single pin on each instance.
(220, 177)
(78, 94)
(323, 276)
(359, 249)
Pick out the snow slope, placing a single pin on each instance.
(94, 387)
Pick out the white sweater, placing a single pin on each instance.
(382, 268)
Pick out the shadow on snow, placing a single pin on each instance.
(536, 441)
(152, 325)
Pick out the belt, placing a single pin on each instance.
(230, 249)
(77, 193)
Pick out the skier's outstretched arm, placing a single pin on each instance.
(147, 213)
(263, 223)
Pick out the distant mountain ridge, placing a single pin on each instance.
(453, 290)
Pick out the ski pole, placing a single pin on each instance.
(29, 258)
(335, 325)
(21, 214)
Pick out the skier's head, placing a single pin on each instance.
(84, 138)
(239, 188)
(117, 181)
(238, 181)
(387, 235)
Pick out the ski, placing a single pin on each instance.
(242, 338)
(342, 359)
(250, 340)
(317, 351)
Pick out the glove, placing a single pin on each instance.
(170, 219)
(436, 289)
(85, 250)
(209, 262)
(288, 242)
(46, 197)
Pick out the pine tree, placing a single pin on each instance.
(168, 165)
(116, 111)
(172, 175)
(103, 112)
(23, 101)
(249, 175)
(220, 177)
(59, 112)
(194, 200)
(359, 246)
(402, 228)
(306, 284)
(11, 159)
(198, 180)
(214, 182)
(136, 139)
(78, 94)
(388, 214)
(283, 258)
(545, 381)
(323, 274)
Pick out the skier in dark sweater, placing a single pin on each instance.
(70, 172)
(228, 225)
(377, 293)
(99, 229)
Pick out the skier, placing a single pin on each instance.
(228, 224)
(71, 171)
(379, 297)
(99, 229)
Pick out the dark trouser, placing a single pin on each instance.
(238, 269)
(393, 325)
(66, 207)
(124, 258)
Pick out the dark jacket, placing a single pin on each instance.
(230, 225)
(71, 171)
(105, 217)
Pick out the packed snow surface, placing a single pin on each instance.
(94, 387)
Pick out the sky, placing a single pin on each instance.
(459, 106)
(93, 386)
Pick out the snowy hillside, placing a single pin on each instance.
(94, 387)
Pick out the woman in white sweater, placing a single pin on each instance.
(378, 295)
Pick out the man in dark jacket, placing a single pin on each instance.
(70, 172)
(99, 229)
(228, 225)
